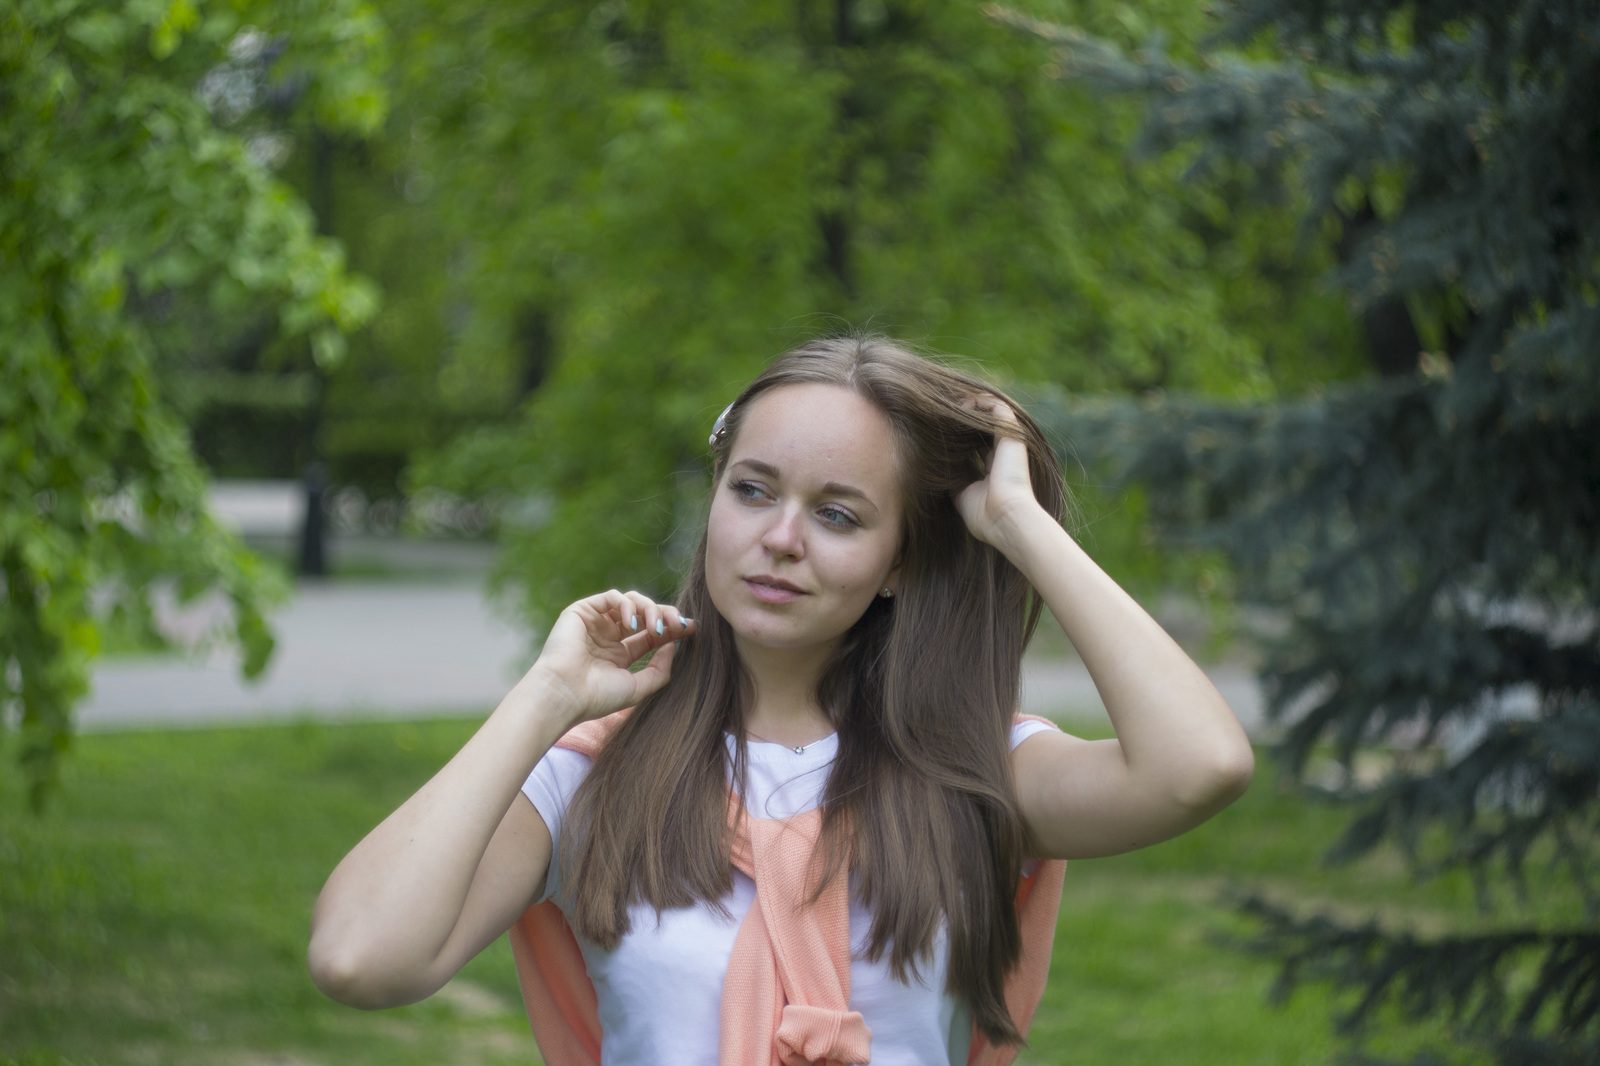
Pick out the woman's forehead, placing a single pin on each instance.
(820, 433)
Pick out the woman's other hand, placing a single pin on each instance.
(993, 503)
(447, 872)
(595, 641)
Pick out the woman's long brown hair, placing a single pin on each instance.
(920, 803)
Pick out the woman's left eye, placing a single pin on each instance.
(835, 516)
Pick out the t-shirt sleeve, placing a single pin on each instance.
(1021, 731)
(549, 788)
(1026, 728)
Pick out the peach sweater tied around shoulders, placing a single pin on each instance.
(786, 996)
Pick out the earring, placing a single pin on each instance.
(887, 593)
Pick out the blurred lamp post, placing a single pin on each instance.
(313, 535)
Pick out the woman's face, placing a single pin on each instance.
(805, 521)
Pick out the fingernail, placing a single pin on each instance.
(661, 627)
(688, 621)
(633, 621)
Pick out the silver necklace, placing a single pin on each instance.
(798, 749)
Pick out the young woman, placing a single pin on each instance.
(845, 649)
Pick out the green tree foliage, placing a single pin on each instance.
(121, 192)
(257, 403)
(1432, 534)
(653, 198)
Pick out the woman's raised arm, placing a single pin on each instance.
(1179, 755)
(452, 868)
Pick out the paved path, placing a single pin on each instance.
(346, 650)
(380, 649)
(1064, 691)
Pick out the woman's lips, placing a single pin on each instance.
(771, 593)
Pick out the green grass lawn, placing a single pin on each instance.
(157, 914)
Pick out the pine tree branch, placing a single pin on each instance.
(1473, 980)
(1434, 537)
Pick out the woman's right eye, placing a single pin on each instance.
(747, 490)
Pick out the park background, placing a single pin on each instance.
(347, 327)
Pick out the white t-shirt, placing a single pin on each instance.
(660, 991)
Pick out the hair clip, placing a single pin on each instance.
(721, 426)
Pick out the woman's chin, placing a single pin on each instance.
(764, 634)
(792, 626)
(771, 639)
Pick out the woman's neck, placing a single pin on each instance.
(785, 710)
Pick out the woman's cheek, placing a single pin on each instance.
(721, 542)
(857, 575)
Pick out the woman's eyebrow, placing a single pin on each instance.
(759, 467)
(839, 488)
(832, 488)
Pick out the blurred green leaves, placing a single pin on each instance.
(122, 183)
(678, 191)
(590, 223)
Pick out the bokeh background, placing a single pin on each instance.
(345, 342)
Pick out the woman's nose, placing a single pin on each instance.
(783, 535)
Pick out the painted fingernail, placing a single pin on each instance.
(688, 621)
(661, 627)
(633, 621)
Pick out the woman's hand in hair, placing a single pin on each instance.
(992, 503)
(594, 642)
(1179, 754)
